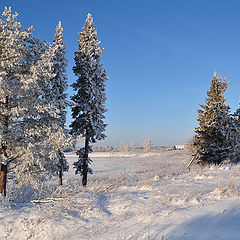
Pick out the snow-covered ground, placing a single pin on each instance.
(130, 196)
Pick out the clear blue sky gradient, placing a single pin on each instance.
(160, 57)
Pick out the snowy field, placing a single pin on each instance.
(130, 196)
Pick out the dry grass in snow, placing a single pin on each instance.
(129, 196)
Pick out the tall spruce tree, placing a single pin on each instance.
(88, 110)
(213, 140)
(59, 87)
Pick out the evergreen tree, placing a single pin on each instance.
(213, 140)
(89, 100)
(236, 136)
(59, 87)
(27, 136)
(59, 82)
(17, 55)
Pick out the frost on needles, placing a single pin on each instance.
(59, 96)
(235, 154)
(31, 119)
(88, 110)
(215, 137)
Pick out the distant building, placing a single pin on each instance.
(178, 147)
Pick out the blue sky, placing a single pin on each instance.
(160, 57)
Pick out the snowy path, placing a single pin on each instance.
(133, 196)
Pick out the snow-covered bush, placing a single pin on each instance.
(132, 146)
(147, 145)
(123, 147)
(189, 144)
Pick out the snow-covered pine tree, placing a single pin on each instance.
(17, 46)
(52, 138)
(88, 110)
(59, 82)
(237, 122)
(59, 87)
(213, 139)
(27, 138)
(236, 136)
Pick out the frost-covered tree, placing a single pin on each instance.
(214, 140)
(16, 57)
(147, 145)
(235, 154)
(132, 146)
(123, 147)
(88, 110)
(58, 93)
(59, 81)
(236, 117)
(26, 134)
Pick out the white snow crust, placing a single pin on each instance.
(130, 196)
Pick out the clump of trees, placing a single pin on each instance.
(218, 133)
(33, 102)
(147, 146)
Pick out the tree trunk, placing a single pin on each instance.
(85, 163)
(84, 177)
(60, 178)
(3, 179)
(3, 170)
(60, 172)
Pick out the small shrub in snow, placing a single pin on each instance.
(227, 189)
(132, 146)
(123, 147)
(147, 145)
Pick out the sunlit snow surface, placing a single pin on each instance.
(130, 196)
